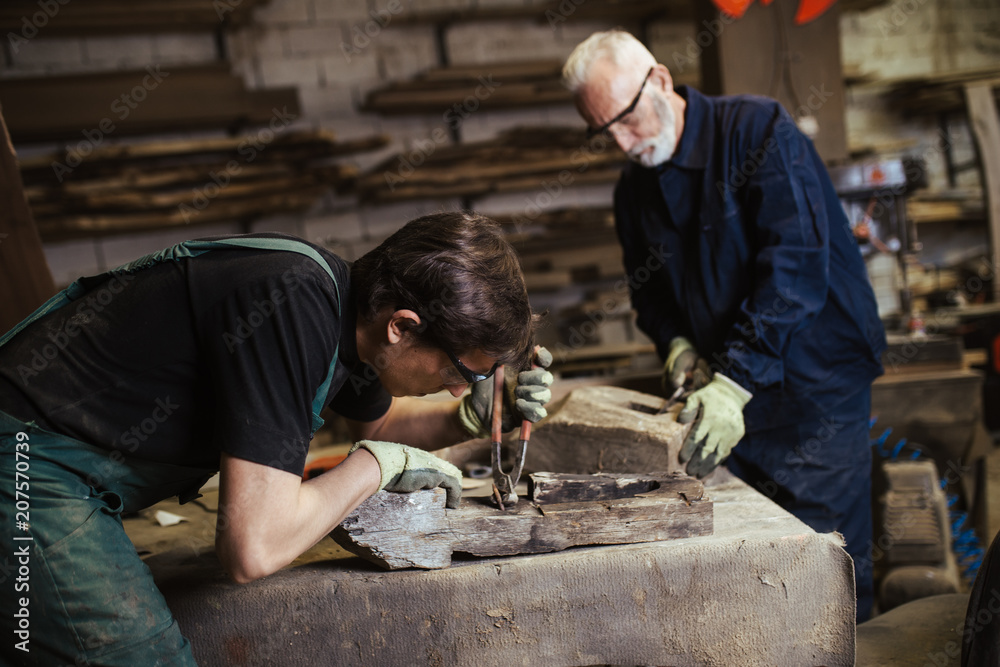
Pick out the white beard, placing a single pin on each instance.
(665, 142)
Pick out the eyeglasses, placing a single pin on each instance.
(594, 131)
(467, 374)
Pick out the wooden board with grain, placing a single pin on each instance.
(404, 530)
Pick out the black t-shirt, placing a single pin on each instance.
(186, 359)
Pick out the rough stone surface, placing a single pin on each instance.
(763, 590)
(927, 631)
(607, 429)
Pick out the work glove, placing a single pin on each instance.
(684, 367)
(406, 469)
(524, 397)
(717, 413)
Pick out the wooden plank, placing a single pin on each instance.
(397, 530)
(155, 99)
(986, 129)
(25, 280)
(27, 18)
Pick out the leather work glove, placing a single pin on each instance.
(524, 397)
(406, 469)
(684, 367)
(717, 412)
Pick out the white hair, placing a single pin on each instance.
(617, 46)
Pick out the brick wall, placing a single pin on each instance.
(335, 51)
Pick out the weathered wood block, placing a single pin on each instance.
(395, 530)
(607, 429)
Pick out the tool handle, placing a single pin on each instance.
(498, 404)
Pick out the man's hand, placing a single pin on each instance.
(717, 412)
(524, 398)
(405, 469)
(684, 368)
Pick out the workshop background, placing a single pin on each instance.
(140, 124)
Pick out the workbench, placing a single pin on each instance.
(764, 589)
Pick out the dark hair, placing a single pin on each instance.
(458, 272)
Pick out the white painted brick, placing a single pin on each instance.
(318, 103)
(353, 11)
(285, 11)
(69, 260)
(289, 72)
(267, 41)
(342, 228)
(285, 223)
(184, 48)
(410, 51)
(361, 70)
(49, 53)
(119, 52)
(381, 221)
(322, 38)
(474, 42)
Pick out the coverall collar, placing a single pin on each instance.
(695, 146)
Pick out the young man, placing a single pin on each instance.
(765, 286)
(218, 355)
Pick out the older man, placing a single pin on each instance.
(764, 310)
(218, 355)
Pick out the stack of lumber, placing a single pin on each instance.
(563, 247)
(548, 159)
(156, 185)
(946, 206)
(555, 12)
(939, 93)
(25, 18)
(471, 87)
(90, 108)
(455, 92)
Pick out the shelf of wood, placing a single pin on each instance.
(27, 18)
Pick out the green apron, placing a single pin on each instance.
(91, 599)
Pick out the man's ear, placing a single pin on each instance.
(661, 78)
(400, 323)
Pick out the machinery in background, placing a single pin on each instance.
(874, 197)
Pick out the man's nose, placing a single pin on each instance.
(457, 389)
(625, 138)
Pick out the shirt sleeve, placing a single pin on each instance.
(783, 204)
(267, 346)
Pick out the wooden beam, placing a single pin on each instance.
(395, 530)
(25, 280)
(986, 129)
(88, 109)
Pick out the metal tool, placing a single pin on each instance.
(504, 482)
(674, 399)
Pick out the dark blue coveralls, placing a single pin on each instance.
(75, 589)
(740, 244)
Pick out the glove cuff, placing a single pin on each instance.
(470, 420)
(738, 392)
(678, 345)
(384, 453)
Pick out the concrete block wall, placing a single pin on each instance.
(335, 51)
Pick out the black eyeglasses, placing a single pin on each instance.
(468, 375)
(594, 131)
